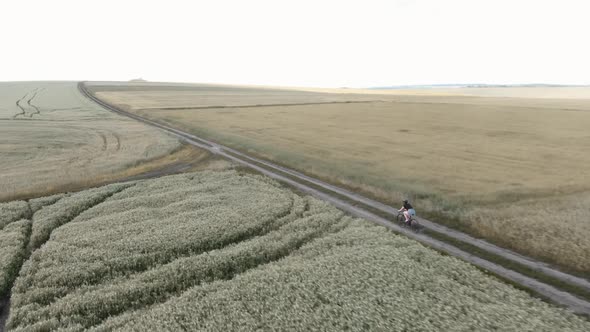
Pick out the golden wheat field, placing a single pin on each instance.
(513, 170)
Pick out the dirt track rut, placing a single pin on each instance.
(298, 180)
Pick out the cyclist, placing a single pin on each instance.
(408, 210)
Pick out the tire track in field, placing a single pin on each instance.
(29, 249)
(155, 296)
(287, 250)
(5, 299)
(136, 269)
(28, 108)
(4, 310)
(306, 184)
(69, 216)
(240, 263)
(93, 151)
(22, 112)
(25, 102)
(29, 102)
(104, 141)
(117, 139)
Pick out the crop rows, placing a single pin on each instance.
(231, 251)
(13, 241)
(13, 211)
(55, 215)
(145, 226)
(359, 279)
(38, 203)
(15, 230)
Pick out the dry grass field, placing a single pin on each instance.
(181, 96)
(513, 170)
(52, 139)
(232, 251)
(540, 92)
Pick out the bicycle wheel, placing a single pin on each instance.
(400, 217)
(415, 225)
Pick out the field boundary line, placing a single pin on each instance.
(564, 298)
(261, 105)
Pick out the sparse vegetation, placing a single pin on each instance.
(236, 251)
(498, 168)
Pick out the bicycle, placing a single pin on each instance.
(413, 223)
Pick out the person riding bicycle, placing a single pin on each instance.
(408, 210)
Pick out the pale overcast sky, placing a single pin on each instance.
(298, 43)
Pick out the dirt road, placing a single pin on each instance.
(333, 195)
